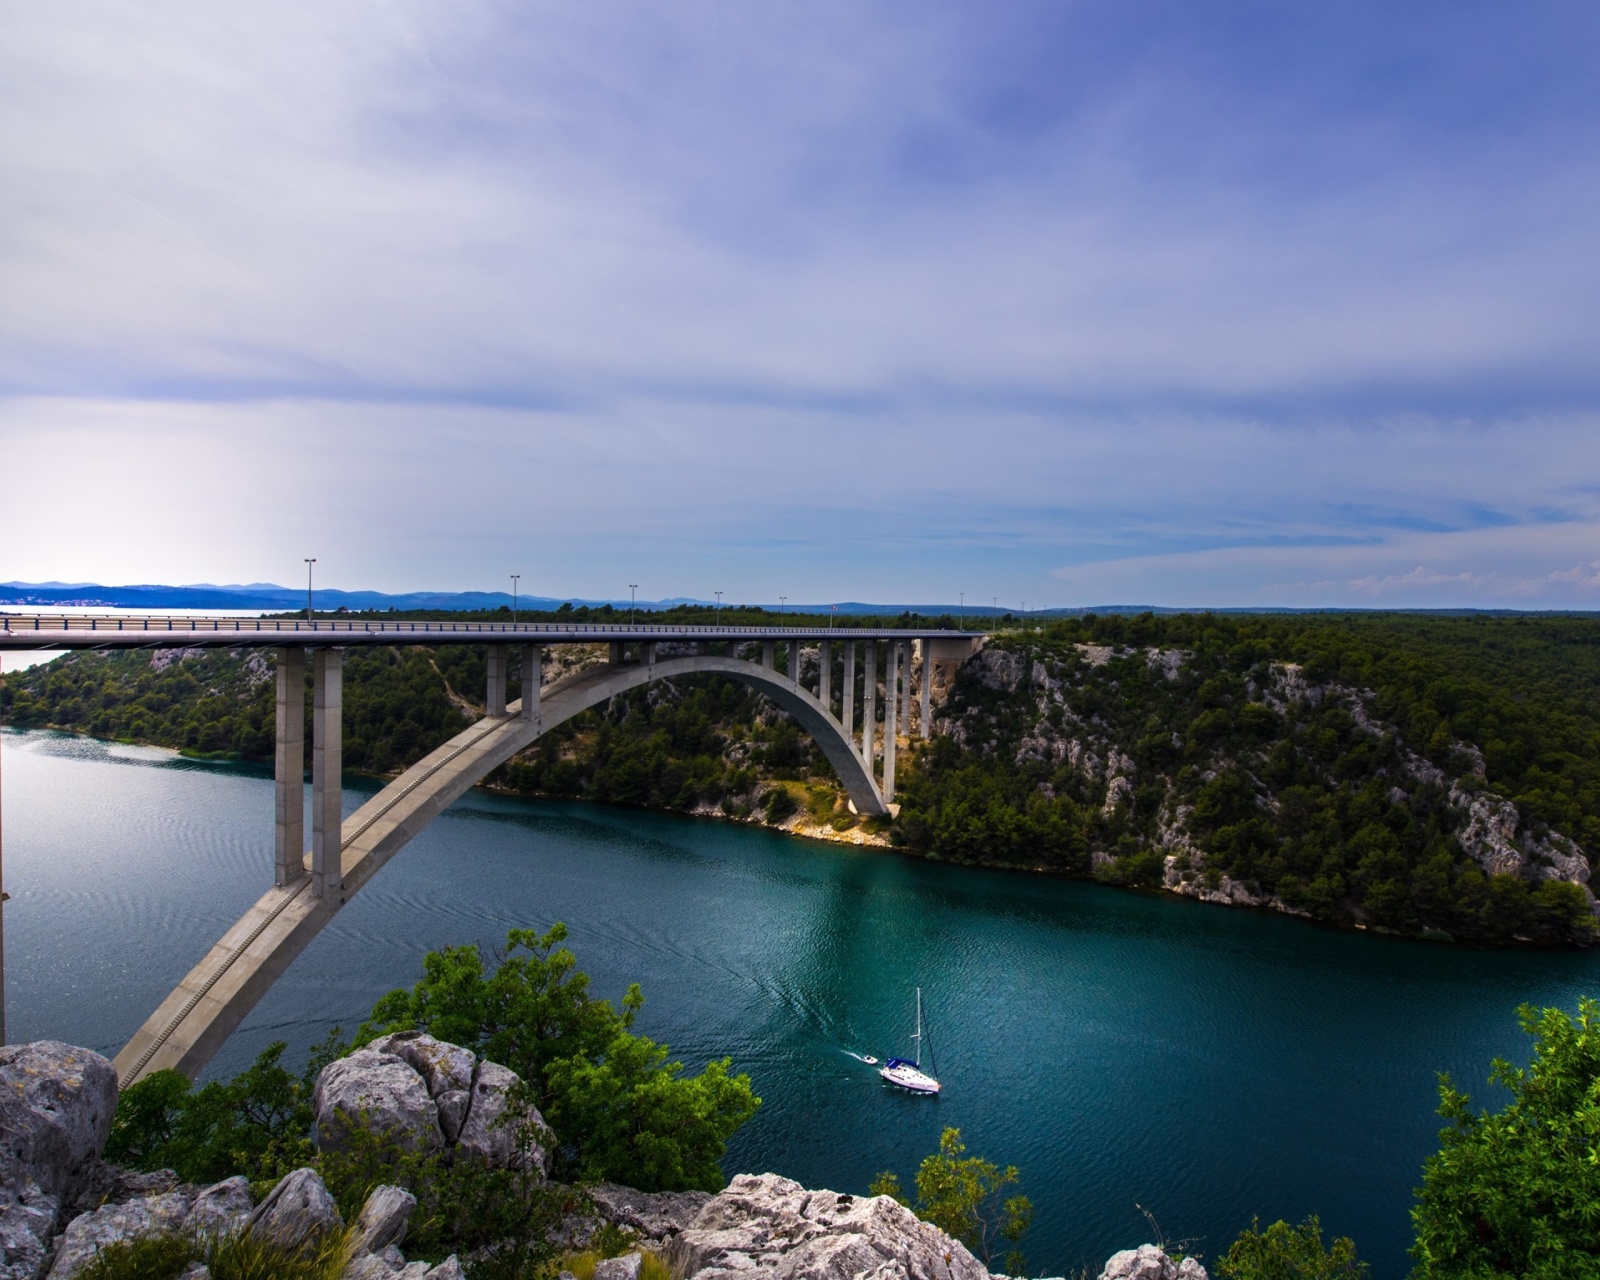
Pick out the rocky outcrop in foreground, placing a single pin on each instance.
(60, 1203)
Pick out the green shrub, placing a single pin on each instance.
(779, 804)
(235, 1257)
(1516, 1193)
(1282, 1252)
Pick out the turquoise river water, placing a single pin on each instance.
(1123, 1050)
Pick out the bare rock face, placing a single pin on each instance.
(1148, 1262)
(382, 1094)
(772, 1225)
(655, 1215)
(56, 1105)
(299, 1207)
(89, 1233)
(430, 1094)
(25, 1227)
(383, 1218)
(221, 1209)
(626, 1267)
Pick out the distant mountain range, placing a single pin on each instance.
(269, 597)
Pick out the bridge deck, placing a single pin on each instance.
(24, 631)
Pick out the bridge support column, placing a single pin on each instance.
(497, 656)
(289, 770)
(769, 654)
(869, 710)
(618, 652)
(891, 713)
(825, 675)
(927, 690)
(649, 656)
(794, 663)
(905, 693)
(848, 694)
(327, 757)
(532, 677)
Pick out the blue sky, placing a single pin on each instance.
(1228, 303)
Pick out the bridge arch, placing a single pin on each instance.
(194, 1021)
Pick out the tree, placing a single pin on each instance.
(1282, 1252)
(1517, 1192)
(621, 1111)
(962, 1196)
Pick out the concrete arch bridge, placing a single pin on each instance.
(311, 886)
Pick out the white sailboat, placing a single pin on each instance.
(907, 1073)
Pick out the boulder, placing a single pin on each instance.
(196, 1271)
(105, 1184)
(27, 1219)
(56, 1106)
(626, 1267)
(486, 1132)
(769, 1224)
(296, 1209)
(453, 1104)
(442, 1066)
(655, 1215)
(449, 1269)
(221, 1209)
(89, 1233)
(1149, 1262)
(376, 1092)
(383, 1218)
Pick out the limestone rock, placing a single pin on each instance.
(484, 1135)
(655, 1215)
(26, 1222)
(449, 1269)
(105, 1184)
(383, 1218)
(196, 1271)
(767, 1223)
(89, 1233)
(442, 1066)
(626, 1267)
(297, 1208)
(376, 1092)
(1148, 1262)
(56, 1105)
(453, 1104)
(221, 1209)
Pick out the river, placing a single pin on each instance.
(1121, 1049)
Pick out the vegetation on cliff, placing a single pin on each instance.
(1424, 774)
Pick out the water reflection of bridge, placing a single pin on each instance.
(829, 694)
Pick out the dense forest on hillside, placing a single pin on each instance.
(1424, 774)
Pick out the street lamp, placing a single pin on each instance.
(717, 616)
(632, 588)
(310, 560)
(961, 613)
(782, 601)
(514, 578)
(833, 612)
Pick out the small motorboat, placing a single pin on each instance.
(907, 1073)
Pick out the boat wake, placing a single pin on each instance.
(861, 1057)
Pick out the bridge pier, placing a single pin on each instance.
(769, 654)
(327, 758)
(289, 770)
(891, 715)
(905, 694)
(869, 710)
(794, 663)
(848, 694)
(532, 678)
(927, 690)
(825, 675)
(497, 656)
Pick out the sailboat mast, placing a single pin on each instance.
(918, 1036)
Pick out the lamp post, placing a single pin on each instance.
(833, 612)
(717, 616)
(782, 602)
(996, 612)
(633, 587)
(514, 578)
(310, 560)
(961, 613)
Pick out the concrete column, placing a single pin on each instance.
(869, 708)
(905, 693)
(649, 647)
(289, 769)
(927, 690)
(618, 652)
(847, 715)
(794, 662)
(327, 753)
(769, 654)
(532, 678)
(497, 656)
(891, 717)
(825, 675)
